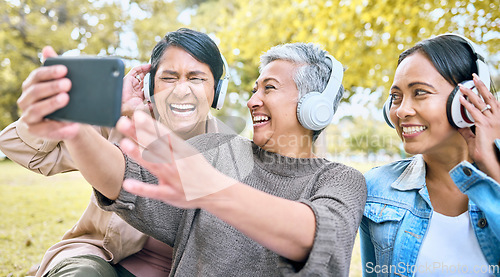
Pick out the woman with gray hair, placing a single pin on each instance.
(236, 207)
(312, 77)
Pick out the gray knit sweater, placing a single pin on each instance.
(206, 246)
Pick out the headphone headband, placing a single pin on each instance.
(337, 73)
(482, 67)
(222, 84)
(225, 73)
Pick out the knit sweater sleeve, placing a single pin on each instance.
(152, 217)
(337, 200)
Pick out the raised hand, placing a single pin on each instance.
(133, 96)
(486, 114)
(186, 179)
(45, 90)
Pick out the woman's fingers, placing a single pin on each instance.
(169, 188)
(483, 102)
(485, 93)
(37, 111)
(148, 190)
(154, 163)
(140, 71)
(43, 74)
(41, 91)
(48, 52)
(141, 128)
(42, 83)
(478, 105)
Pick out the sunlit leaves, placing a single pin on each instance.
(366, 36)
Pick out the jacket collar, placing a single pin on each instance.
(413, 177)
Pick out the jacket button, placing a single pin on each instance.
(482, 223)
(467, 171)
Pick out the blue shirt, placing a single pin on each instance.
(398, 212)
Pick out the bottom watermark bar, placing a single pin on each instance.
(435, 267)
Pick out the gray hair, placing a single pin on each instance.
(314, 72)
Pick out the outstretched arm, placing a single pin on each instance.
(50, 156)
(100, 162)
(40, 155)
(289, 228)
(45, 91)
(187, 180)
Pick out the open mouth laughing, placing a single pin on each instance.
(182, 109)
(259, 120)
(413, 130)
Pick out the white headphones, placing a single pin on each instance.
(457, 115)
(315, 109)
(219, 94)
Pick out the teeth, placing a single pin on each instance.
(259, 118)
(413, 129)
(182, 106)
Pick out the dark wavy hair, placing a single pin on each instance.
(452, 57)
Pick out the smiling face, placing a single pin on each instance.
(183, 92)
(273, 107)
(419, 107)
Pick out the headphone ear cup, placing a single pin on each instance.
(457, 115)
(220, 93)
(314, 111)
(146, 87)
(385, 111)
(215, 102)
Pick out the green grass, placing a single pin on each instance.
(35, 211)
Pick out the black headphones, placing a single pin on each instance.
(457, 115)
(219, 94)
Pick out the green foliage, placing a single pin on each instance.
(358, 135)
(35, 211)
(161, 17)
(369, 137)
(366, 36)
(93, 27)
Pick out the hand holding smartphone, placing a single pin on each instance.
(96, 91)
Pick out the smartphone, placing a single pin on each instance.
(96, 92)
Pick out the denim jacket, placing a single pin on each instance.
(398, 211)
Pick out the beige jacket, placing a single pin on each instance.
(97, 232)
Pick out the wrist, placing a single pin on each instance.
(221, 194)
(83, 131)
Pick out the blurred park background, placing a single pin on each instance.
(365, 36)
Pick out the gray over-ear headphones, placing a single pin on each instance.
(315, 110)
(457, 115)
(219, 94)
